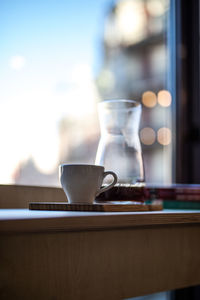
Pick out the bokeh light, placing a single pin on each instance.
(164, 136)
(131, 21)
(164, 98)
(149, 99)
(17, 62)
(147, 136)
(156, 8)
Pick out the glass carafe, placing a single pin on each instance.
(119, 148)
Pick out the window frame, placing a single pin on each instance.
(185, 90)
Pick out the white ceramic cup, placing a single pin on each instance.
(82, 183)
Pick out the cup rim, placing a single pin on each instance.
(80, 165)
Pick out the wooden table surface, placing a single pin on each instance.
(88, 255)
(24, 220)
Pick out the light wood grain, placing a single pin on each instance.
(36, 221)
(18, 196)
(88, 255)
(109, 264)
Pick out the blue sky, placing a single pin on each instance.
(51, 51)
(57, 30)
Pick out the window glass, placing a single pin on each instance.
(58, 60)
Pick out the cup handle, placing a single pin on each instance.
(103, 189)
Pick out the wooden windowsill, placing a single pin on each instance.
(16, 217)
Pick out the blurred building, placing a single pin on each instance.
(135, 66)
(27, 173)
